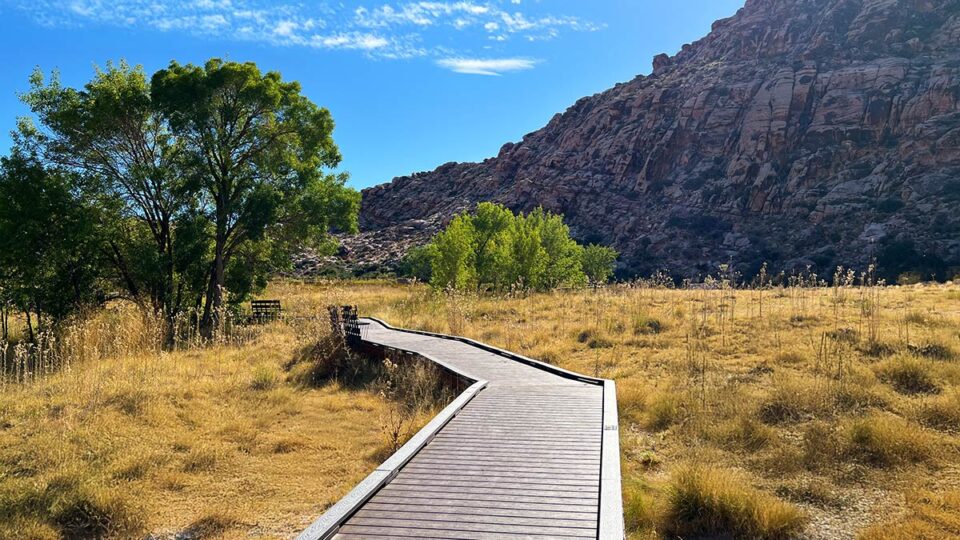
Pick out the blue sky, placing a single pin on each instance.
(411, 84)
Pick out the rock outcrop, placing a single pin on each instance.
(797, 132)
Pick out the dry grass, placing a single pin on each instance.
(929, 516)
(828, 402)
(884, 440)
(121, 440)
(751, 413)
(706, 501)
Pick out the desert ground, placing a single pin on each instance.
(774, 411)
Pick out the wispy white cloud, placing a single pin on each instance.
(379, 28)
(487, 66)
(354, 40)
(421, 14)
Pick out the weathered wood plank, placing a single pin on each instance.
(490, 508)
(368, 532)
(515, 472)
(491, 518)
(575, 532)
(432, 478)
(399, 496)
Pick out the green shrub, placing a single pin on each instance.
(493, 248)
(599, 262)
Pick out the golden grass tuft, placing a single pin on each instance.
(884, 440)
(662, 410)
(929, 516)
(741, 433)
(793, 398)
(789, 358)
(941, 412)
(909, 375)
(265, 378)
(212, 525)
(705, 501)
(639, 512)
(934, 350)
(70, 505)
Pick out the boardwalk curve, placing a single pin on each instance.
(528, 450)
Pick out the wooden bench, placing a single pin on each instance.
(264, 311)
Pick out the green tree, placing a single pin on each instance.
(564, 256)
(599, 262)
(252, 150)
(204, 179)
(495, 248)
(48, 242)
(454, 260)
(526, 257)
(109, 134)
(491, 223)
(418, 262)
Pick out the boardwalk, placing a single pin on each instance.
(521, 454)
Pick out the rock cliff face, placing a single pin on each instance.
(797, 132)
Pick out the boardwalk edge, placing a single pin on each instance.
(328, 524)
(611, 523)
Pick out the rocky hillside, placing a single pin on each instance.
(798, 132)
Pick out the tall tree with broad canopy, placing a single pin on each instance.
(204, 178)
(564, 256)
(110, 134)
(253, 148)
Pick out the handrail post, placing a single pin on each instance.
(345, 324)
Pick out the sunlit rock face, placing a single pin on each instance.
(797, 132)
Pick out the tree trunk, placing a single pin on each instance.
(171, 303)
(30, 335)
(4, 324)
(213, 307)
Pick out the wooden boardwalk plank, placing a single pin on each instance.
(522, 459)
(501, 528)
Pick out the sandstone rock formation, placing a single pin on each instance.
(797, 132)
